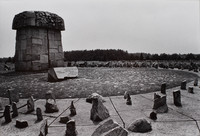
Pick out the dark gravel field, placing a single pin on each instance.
(105, 81)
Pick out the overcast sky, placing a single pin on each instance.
(151, 26)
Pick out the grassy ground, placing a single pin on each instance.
(105, 81)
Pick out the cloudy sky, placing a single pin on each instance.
(151, 26)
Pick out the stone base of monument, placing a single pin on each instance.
(61, 73)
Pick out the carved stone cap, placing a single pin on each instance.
(39, 19)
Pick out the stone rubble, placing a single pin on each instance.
(98, 112)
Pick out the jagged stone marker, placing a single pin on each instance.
(7, 114)
(196, 82)
(128, 101)
(44, 128)
(21, 123)
(110, 128)
(1, 105)
(183, 85)
(160, 103)
(71, 128)
(177, 98)
(140, 125)
(90, 97)
(190, 89)
(163, 88)
(15, 110)
(39, 114)
(64, 119)
(13, 95)
(72, 109)
(50, 105)
(153, 115)
(98, 112)
(30, 105)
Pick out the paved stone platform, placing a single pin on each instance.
(179, 121)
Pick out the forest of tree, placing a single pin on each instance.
(113, 54)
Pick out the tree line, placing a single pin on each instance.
(116, 55)
(112, 54)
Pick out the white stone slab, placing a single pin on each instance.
(66, 72)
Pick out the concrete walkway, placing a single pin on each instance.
(179, 121)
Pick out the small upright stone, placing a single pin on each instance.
(140, 125)
(153, 115)
(128, 101)
(64, 119)
(50, 106)
(183, 85)
(190, 89)
(30, 105)
(125, 94)
(44, 128)
(196, 82)
(7, 114)
(90, 97)
(72, 109)
(15, 111)
(21, 123)
(110, 128)
(13, 95)
(160, 103)
(163, 88)
(177, 98)
(1, 105)
(98, 112)
(39, 114)
(71, 128)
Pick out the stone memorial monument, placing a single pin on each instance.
(50, 105)
(13, 95)
(183, 85)
(71, 128)
(38, 40)
(61, 73)
(1, 105)
(98, 112)
(15, 110)
(196, 82)
(21, 123)
(7, 114)
(72, 109)
(64, 119)
(190, 89)
(140, 125)
(43, 128)
(177, 98)
(163, 88)
(128, 101)
(110, 128)
(39, 114)
(160, 103)
(30, 105)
